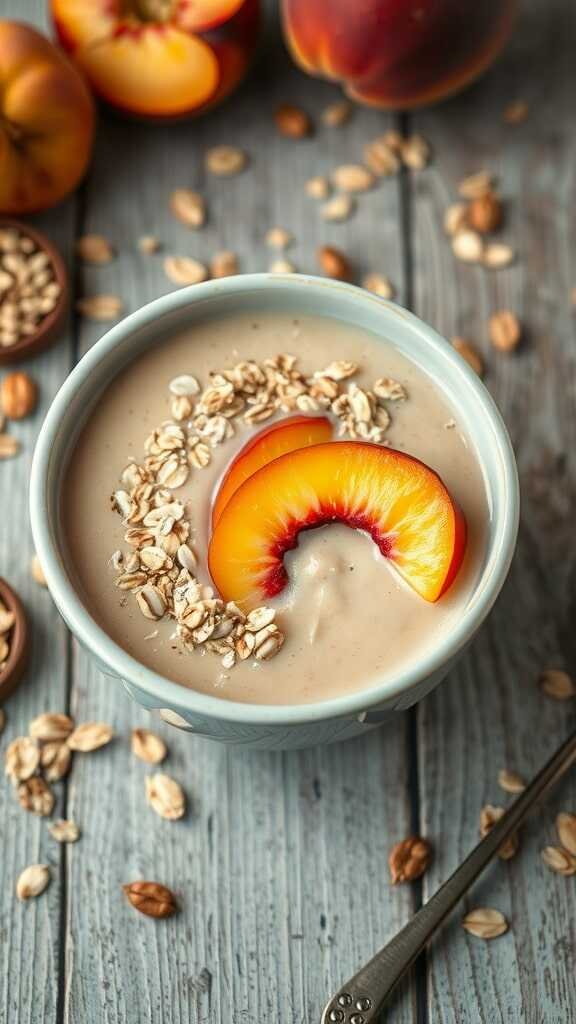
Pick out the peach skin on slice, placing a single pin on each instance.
(265, 446)
(399, 501)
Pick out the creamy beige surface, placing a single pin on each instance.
(348, 618)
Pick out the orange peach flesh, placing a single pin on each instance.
(398, 500)
(271, 442)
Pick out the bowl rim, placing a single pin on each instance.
(169, 694)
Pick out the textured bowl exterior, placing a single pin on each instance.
(277, 726)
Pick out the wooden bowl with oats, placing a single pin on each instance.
(13, 639)
(34, 291)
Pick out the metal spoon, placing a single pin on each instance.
(361, 999)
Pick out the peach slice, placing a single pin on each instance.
(399, 501)
(268, 444)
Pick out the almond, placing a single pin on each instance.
(334, 263)
(353, 178)
(504, 330)
(485, 213)
(18, 395)
(292, 121)
(151, 898)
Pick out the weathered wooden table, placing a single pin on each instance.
(282, 864)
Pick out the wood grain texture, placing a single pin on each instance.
(490, 713)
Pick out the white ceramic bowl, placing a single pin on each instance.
(262, 725)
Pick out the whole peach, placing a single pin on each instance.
(46, 121)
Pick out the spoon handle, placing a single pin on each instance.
(361, 999)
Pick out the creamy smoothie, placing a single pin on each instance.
(347, 616)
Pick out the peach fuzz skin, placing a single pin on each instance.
(46, 121)
(399, 501)
(268, 444)
(159, 61)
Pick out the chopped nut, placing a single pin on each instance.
(35, 795)
(470, 354)
(557, 684)
(318, 187)
(566, 827)
(485, 213)
(381, 157)
(337, 114)
(184, 270)
(224, 264)
(475, 185)
(37, 571)
(292, 121)
(94, 249)
(353, 178)
(32, 881)
(409, 859)
(165, 796)
(148, 244)
(497, 255)
(151, 898)
(188, 207)
(489, 815)
(148, 746)
(504, 330)
(467, 246)
(279, 238)
(22, 758)
(485, 923)
(379, 284)
(415, 152)
(334, 263)
(282, 266)
(9, 446)
(18, 395)
(515, 112)
(90, 736)
(56, 760)
(338, 209)
(559, 860)
(510, 781)
(100, 307)
(456, 218)
(64, 831)
(224, 161)
(51, 726)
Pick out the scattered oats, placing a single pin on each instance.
(476, 185)
(268, 646)
(187, 558)
(282, 266)
(224, 264)
(557, 684)
(468, 246)
(389, 389)
(489, 815)
(37, 571)
(456, 218)
(183, 270)
(510, 781)
(149, 244)
(415, 152)
(32, 881)
(337, 114)
(339, 370)
(7, 619)
(165, 796)
(353, 178)
(56, 761)
(338, 209)
(229, 659)
(185, 384)
(151, 603)
(148, 746)
(379, 284)
(188, 207)
(497, 255)
(64, 830)
(516, 112)
(566, 827)
(152, 635)
(450, 425)
(381, 157)
(394, 139)
(504, 330)
(559, 860)
(35, 795)
(318, 187)
(9, 446)
(279, 238)
(181, 408)
(94, 249)
(200, 456)
(100, 307)
(485, 923)
(155, 558)
(470, 354)
(258, 618)
(224, 161)
(51, 726)
(90, 736)
(22, 758)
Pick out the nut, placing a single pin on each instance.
(557, 684)
(469, 353)
(504, 330)
(485, 213)
(224, 264)
(18, 395)
(32, 881)
(409, 859)
(334, 263)
(151, 898)
(292, 121)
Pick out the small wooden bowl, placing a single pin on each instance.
(53, 323)
(12, 672)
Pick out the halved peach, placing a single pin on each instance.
(265, 446)
(399, 501)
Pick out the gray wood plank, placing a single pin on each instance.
(29, 934)
(281, 866)
(490, 713)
